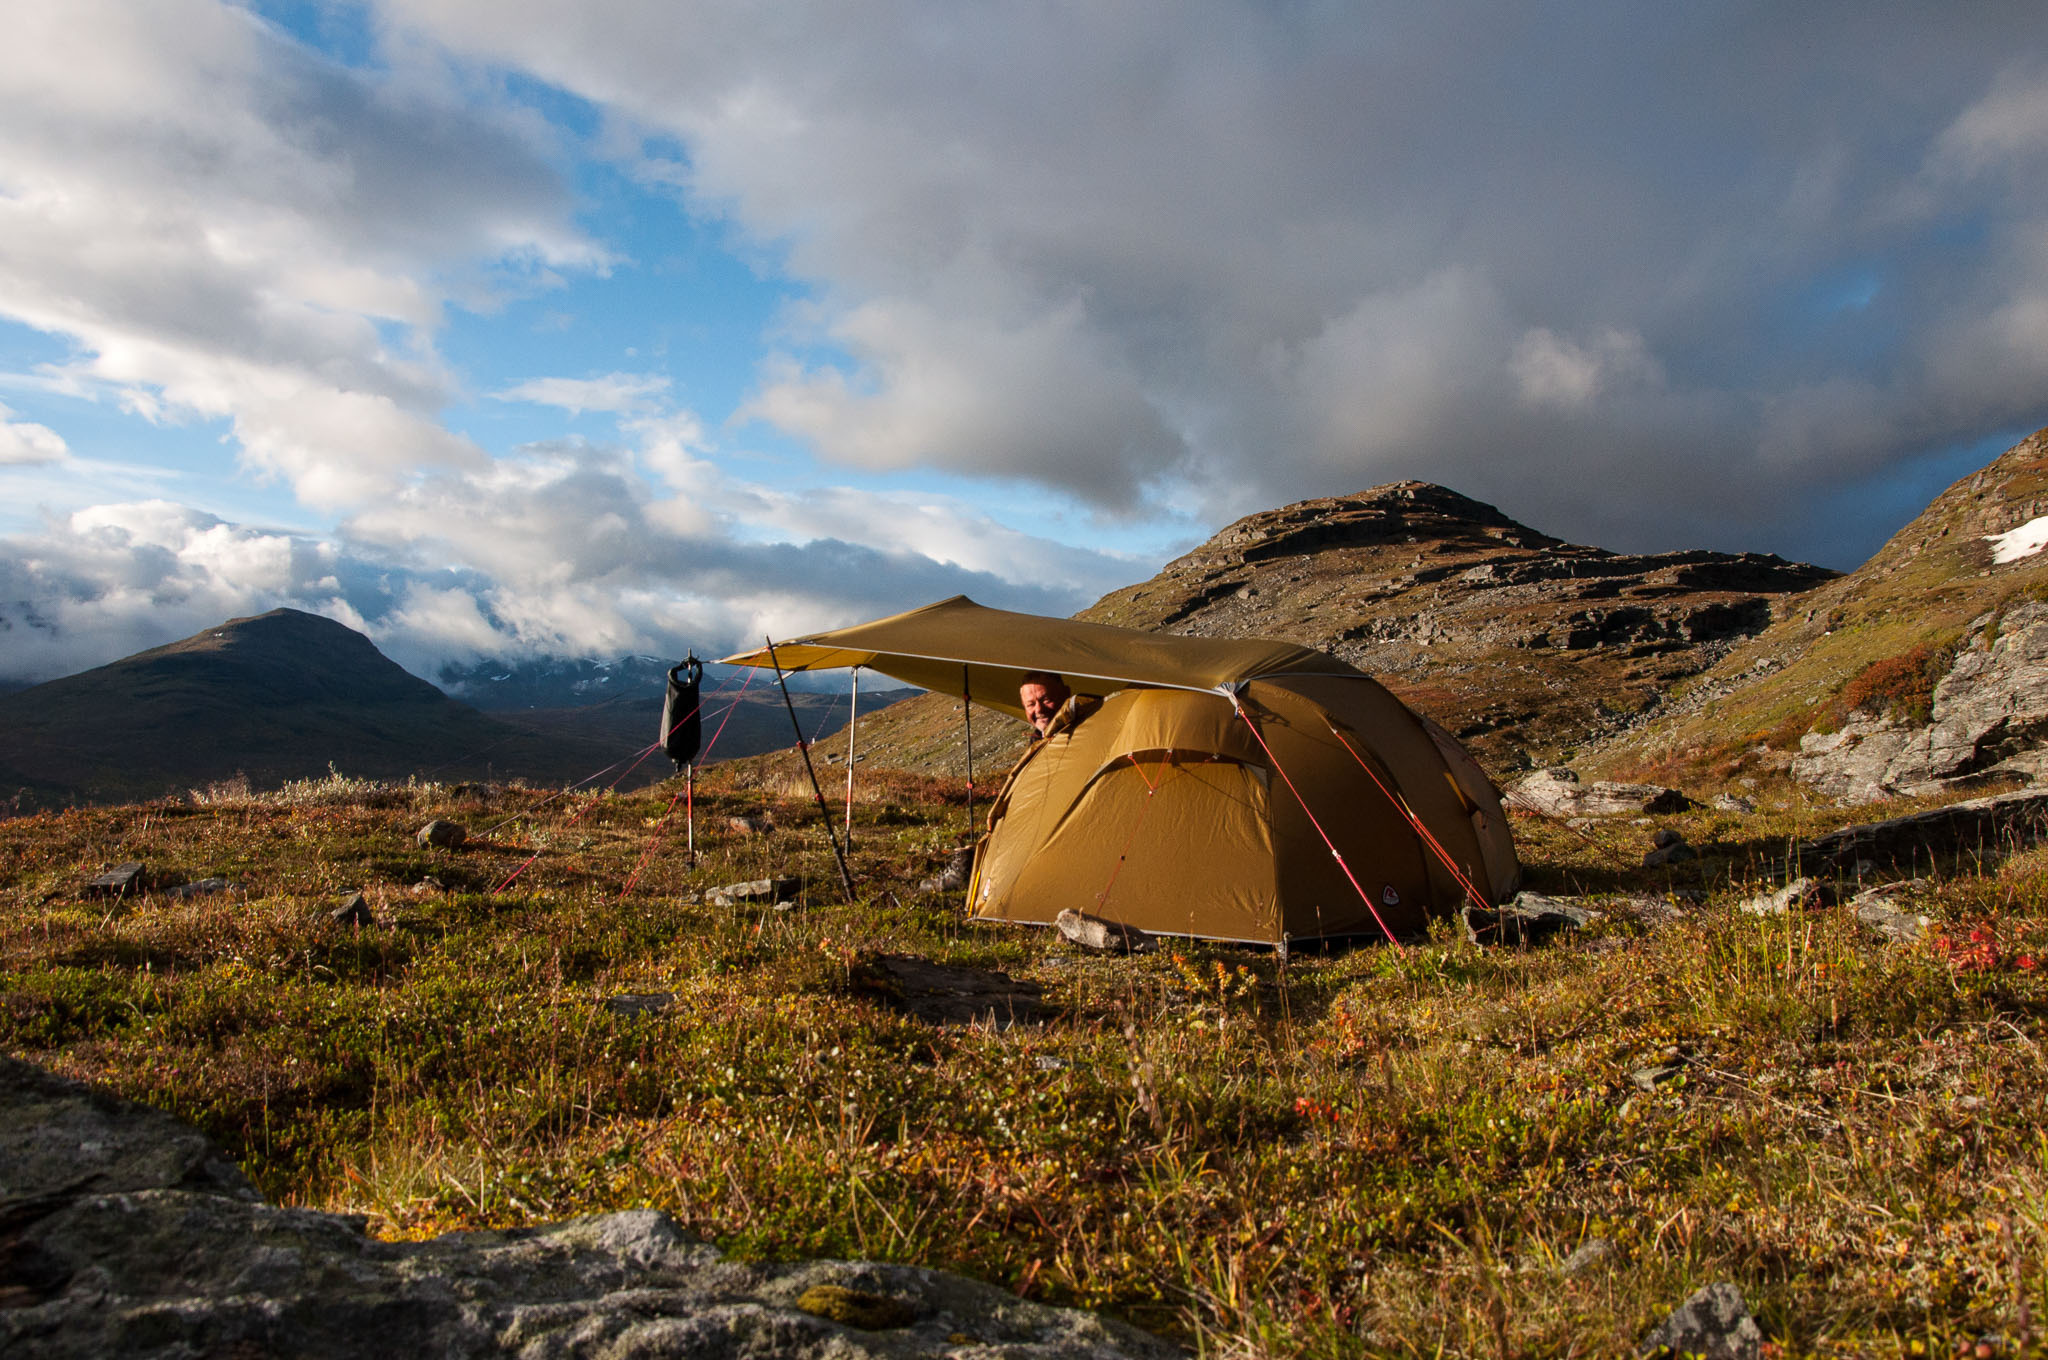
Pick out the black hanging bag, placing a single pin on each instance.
(682, 719)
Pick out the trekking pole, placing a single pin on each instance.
(831, 831)
(852, 720)
(967, 721)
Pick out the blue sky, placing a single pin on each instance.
(511, 329)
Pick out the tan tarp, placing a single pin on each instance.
(957, 645)
(1195, 799)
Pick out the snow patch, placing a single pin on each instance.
(2024, 541)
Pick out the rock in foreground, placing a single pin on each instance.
(156, 1250)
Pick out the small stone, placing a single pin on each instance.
(1530, 918)
(445, 835)
(1678, 852)
(118, 881)
(1588, 1254)
(952, 878)
(770, 890)
(749, 824)
(1092, 932)
(1733, 802)
(856, 1307)
(1650, 1078)
(353, 911)
(1667, 836)
(428, 886)
(639, 1003)
(1799, 894)
(1714, 1324)
(204, 887)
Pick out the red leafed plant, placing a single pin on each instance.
(1978, 951)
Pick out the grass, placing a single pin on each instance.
(1349, 1151)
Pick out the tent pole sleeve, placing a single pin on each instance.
(852, 719)
(1337, 854)
(804, 748)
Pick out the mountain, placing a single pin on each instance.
(1522, 644)
(1929, 650)
(283, 695)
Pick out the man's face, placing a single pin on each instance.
(1041, 702)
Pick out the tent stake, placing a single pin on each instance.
(967, 721)
(804, 747)
(852, 718)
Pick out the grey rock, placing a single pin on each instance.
(353, 911)
(1881, 909)
(442, 834)
(1585, 1256)
(639, 1003)
(953, 877)
(951, 993)
(750, 824)
(140, 1242)
(119, 881)
(1714, 1324)
(204, 887)
(1989, 714)
(1650, 1078)
(1667, 836)
(1530, 918)
(1800, 894)
(1732, 802)
(1985, 826)
(759, 890)
(1672, 852)
(1558, 792)
(60, 1138)
(1093, 932)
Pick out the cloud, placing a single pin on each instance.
(224, 226)
(23, 442)
(630, 394)
(1235, 253)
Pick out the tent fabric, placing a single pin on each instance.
(961, 648)
(1154, 802)
(1162, 810)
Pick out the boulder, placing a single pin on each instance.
(353, 911)
(1989, 715)
(442, 835)
(1981, 826)
(1558, 792)
(126, 1234)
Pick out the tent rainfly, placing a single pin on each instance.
(1235, 789)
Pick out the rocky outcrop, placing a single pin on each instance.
(1990, 715)
(1981, 826)
(1558, 792)
(123, 1232)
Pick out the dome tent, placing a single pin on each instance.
(1240, 789)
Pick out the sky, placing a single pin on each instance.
(510, 329)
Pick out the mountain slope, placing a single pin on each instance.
(1522, 644)
(283, 695)
(1881, 637)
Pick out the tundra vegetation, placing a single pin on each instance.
(1437, 1149)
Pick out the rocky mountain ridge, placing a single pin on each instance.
(1522, 644)
(1920, 670)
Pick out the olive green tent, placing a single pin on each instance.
(1240, 789)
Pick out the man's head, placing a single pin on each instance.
(1042, 694)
